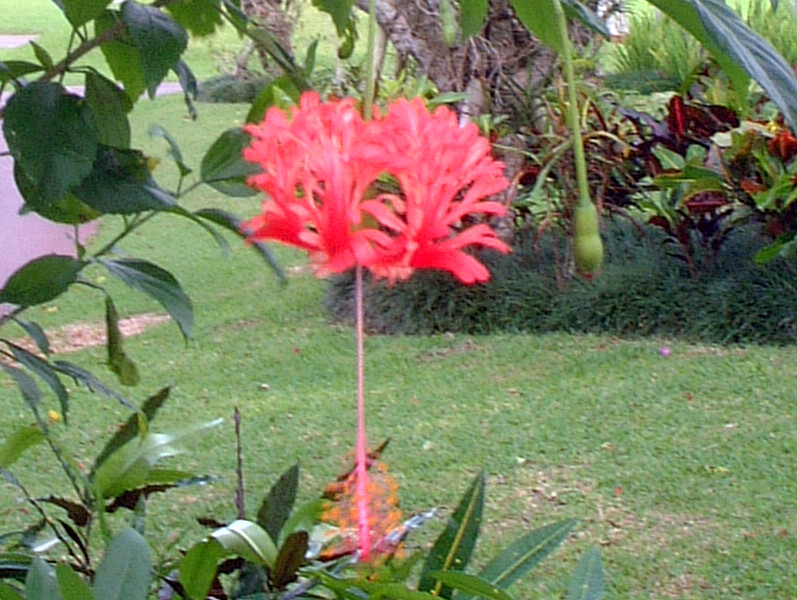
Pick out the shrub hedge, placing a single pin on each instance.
(643, 291)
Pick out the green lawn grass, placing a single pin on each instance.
(682, 468)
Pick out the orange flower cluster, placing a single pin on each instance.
(384, 515)
(320, 167)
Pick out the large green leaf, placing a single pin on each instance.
(52, 136)
(45, 372)
(110, 106)
(223, 166)
(41, 280)
(118, 362)
(586, 582)
(249, 541)
(7, 592)
(41, 583)
(157, 283)
(453, 549)
(472, 14)
(278, 502)
(130, 466)
(122, 55)
(339, 10)
(70, 584)
(80, 12)
(68, 209)
(198, 568)
(525, 553)
(540, 18)
(136, 424)
(160, 41)
(200, 17)
(16, 444)
(124, 572)
(121, 183)
(739, 51)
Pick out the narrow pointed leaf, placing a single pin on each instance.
(540, 18)
(174, 148)
(45, 372)
(156, 283)
(81, 376)
(303, 518)
(76, 511)
(278, 503)
(130, 466)
(30, 391)
(525, 553)
(189, 85)
(471, 585)
(118, 362)
(13, 69)
(124, 572)
(71, 586)
(159, 40)
(249, 541)
(586, 583)
(16, 444)
(131, 427)
(453, 549)
(41, 280)
(36, 333)
(233, 223)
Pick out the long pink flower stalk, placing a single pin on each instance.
(320, 169)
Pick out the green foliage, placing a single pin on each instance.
(226, 88)
(640, 292)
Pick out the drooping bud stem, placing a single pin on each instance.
(588, 246)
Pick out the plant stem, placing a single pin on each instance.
(370, 70)
(572, 109)
(361, 452)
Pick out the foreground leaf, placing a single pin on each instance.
(52, 136)
(41, 280)
(40, 583)
(45, 372)
(223, 166)
(278, 502)
(249, 541)
(525, 553)
(124, 572)
(586, 583)
(159, 40)
(453, 549)
(157, 283)
(71, 586)
(130, 466)
(16, 444)
(198, 568)
(118, 362)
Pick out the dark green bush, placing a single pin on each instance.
(642, 291)
(229, 89)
